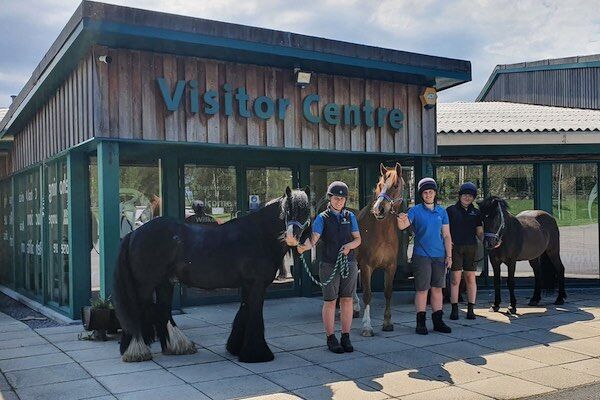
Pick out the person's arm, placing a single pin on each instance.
(479, 233)
(405, 219)
(447, 244)
(356, 237)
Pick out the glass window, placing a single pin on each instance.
(58, 233)
(450, 177)
(575, 207)
(28, 233)
(265, 184)
(6, 234)
(216, 187)
(322, 176)
(139, 195)
(514, 183)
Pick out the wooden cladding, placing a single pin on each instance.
(122, 100)
(132, 106)
(575, 87)
(64, 121)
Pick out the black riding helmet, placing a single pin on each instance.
(338, 188)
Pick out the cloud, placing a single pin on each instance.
(481, 31)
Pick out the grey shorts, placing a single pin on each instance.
(428, 272)
(338, 287)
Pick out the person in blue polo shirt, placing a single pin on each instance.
(338, 229)
(432, 254)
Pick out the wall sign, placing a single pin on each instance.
(212, 102)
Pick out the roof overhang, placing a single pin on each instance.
(124, 27)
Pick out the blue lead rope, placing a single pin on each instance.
(341, 265)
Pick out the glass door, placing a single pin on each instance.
(262, 185)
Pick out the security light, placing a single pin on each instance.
(302, 78)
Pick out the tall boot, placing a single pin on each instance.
(421, 327)
(470, 312)
(454, 313)
(438, 324)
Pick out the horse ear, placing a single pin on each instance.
(288, 192)
(307, 191)
(398, 169)
(382, 169)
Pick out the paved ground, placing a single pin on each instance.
(539, 351)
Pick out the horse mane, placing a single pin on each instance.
(297, 200)
(487, 205)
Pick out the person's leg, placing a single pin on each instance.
(328, 315)
(457, 266)
(347, 310)
(471, 286)
(438, 281)
(436, 299)
(421, 300)
(455, 285)
(422, 278)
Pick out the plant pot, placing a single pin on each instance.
(99, 319)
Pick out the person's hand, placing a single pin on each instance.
(303, 247)
(345, 249)
(448, 262)
(403, 217)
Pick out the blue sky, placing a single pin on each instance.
(484, 32)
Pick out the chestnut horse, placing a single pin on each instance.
(379, 248)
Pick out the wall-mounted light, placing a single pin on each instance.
(429, 98)
(302, 78)
(105, 59)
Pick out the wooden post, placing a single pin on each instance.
(80, 287)
(108, 204)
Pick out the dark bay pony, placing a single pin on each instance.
(245, 252)
(379, 247)
(531, 235)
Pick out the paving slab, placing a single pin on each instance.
(46, 360)
(8, 395)
(361, 367)
(548, 354)
(424, 340)
(281, 362)
(344, 390)
(238, 387)
(45, 375)
(380, 345)
(114, 366)
(414, 358)
(447, 393)
(457, 372)
(136, 381)
(556, 377)
(298, 342)
(202, 356)
(460, 350)
(178, 392)
(321, 355)
(504, 363)
(209, 371)
(590, 346)
(74, 390)
(503, 342)
(402, 383)
(590, 366)
(297, 378)
(506, 387)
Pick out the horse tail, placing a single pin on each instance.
(548, 273)
(127, 306)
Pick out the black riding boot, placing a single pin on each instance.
(470, 312)
(438, 324)
(454, 313)
(333, 344)
(346, 344)
(421, 327)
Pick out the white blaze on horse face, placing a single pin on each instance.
(379, 199)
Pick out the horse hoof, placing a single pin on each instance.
(367, 333)
(256, 355)
(512, 310)
(355, 314)
(559, 302)
(495, 308)
(388, 327)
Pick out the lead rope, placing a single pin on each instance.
(341, 265)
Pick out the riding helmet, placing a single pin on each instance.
(425, 184)
(337, 188)
(468, 188)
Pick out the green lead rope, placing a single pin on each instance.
(341, 265)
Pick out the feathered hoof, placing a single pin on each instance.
(178, 343)
(137, 351)
(388, 327)
(495, 308)
(256, 355)
(367, 332)
(560, 301)
(512, 310)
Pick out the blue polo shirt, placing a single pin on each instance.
(427, 226)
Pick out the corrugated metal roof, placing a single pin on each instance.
(488, 117)
(3, 112)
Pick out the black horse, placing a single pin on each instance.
(245, 252)
(532, 235)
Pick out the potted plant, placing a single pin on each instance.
(100, 317)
